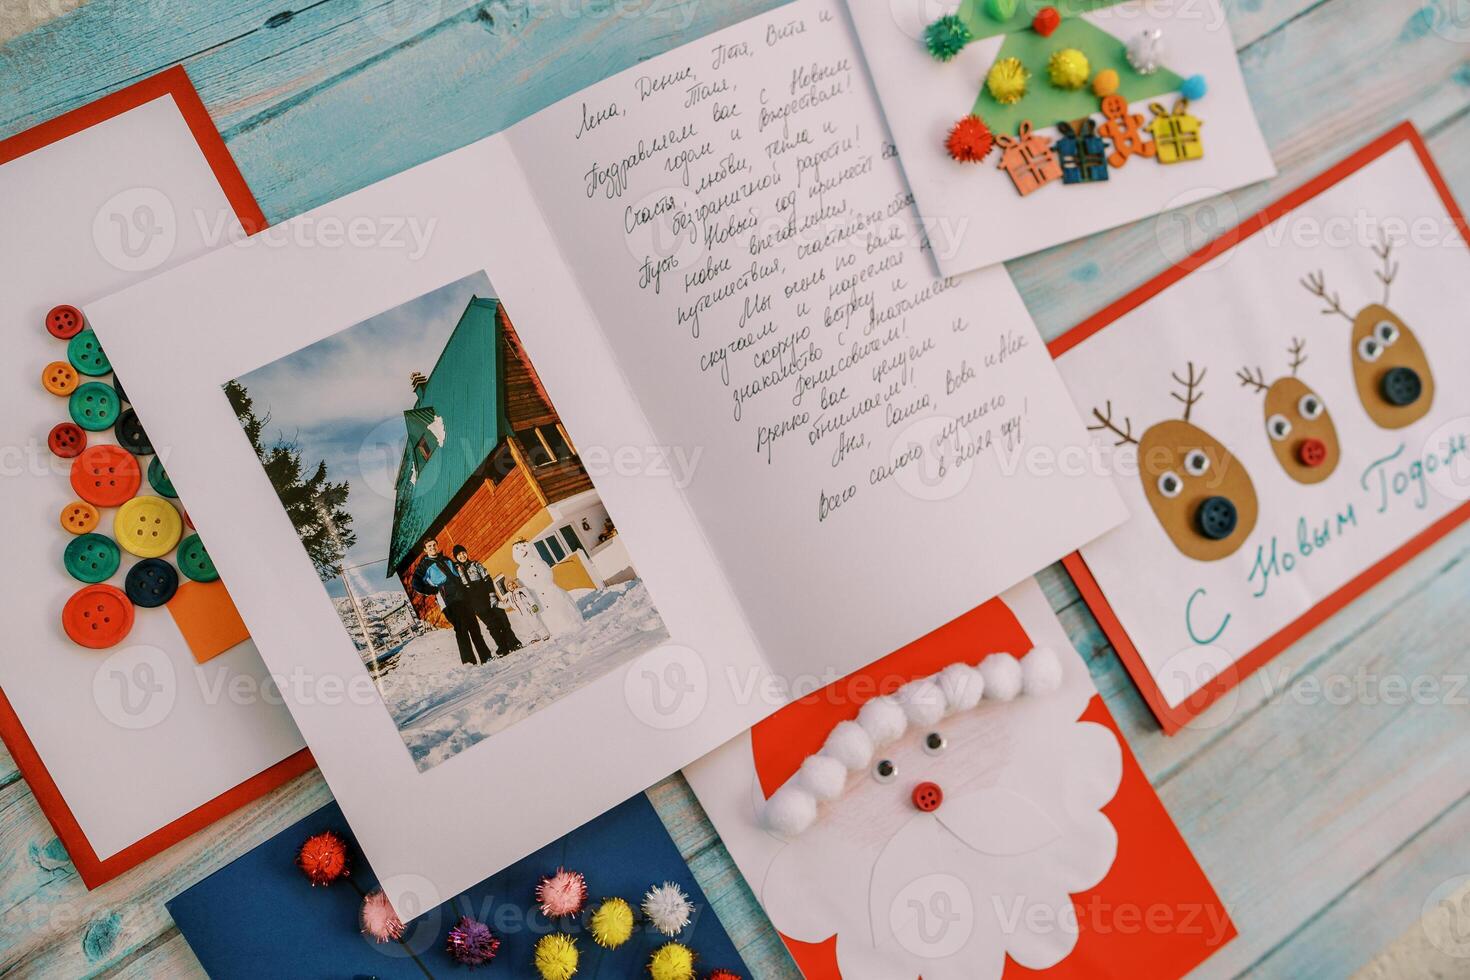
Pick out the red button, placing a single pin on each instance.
(65, 322)
(98, 616)
(106, 475)
(67, 440)
(1312, 452)
(928, 796)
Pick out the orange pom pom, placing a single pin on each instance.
(323, 858)
(970, 141)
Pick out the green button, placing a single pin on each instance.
(158, 477)
(194, 561)
(86, 354)
(94, 406)
(92, 558)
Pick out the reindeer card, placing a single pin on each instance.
(962, 809)
(1279, 414)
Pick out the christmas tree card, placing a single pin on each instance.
(541, 469)
(1281, 414)
(1023, 124)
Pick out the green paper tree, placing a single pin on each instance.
(1045, 104)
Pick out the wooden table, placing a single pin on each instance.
(1326, 817)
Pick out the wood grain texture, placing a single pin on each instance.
(1324, 822)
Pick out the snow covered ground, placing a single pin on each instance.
(442, 707)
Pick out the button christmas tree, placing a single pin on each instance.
(978, 20)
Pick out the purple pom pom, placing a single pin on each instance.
(472, 943)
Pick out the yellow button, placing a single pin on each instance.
(59, 378)
(147, 527)
(79, 517)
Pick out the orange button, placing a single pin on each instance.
(79, 517)
(105, 475)
(64, 322)
(59, 378)
(98, 616)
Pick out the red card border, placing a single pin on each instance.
(93, 870)
(1173, 719)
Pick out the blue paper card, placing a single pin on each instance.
(259, 916)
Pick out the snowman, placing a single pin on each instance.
(950, 825)
(558, 611)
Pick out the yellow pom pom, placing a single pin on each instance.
(672, 962)
(1069, 69)
(1007, 81)
(556, 956)
(612, 923)
(1106, 83)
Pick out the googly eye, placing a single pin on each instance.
(1369, 349)
(885, 771)
(1387, 333)
(1278, 427)
(1310, 407)
(1170, 485)
(935, 743)
(1196, 463)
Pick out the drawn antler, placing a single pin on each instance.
(1390, 268)
(1316, 284)
(1298, 345)
(1256, 381)
(1125, 434)
(1189, 398)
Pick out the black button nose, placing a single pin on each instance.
(1216, 518)
(1401, 386)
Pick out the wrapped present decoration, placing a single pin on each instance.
(1084, 154)
(1029, 158)
(1177, 133)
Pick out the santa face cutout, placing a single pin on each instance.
(1200, 493)
(1298, 425)
(1390, 369)
(959, 817)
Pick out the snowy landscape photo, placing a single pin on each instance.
(448, 515)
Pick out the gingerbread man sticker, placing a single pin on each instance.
(1300, 428)
(1200, 493)
(1390, 368)
(1125, 130)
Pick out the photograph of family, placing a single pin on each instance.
(449, 516)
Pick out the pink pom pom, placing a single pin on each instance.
(471, 943)
(562, 894)
(378, 918)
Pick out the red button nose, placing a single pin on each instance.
(928, 796)
(1312, 452)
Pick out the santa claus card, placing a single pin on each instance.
(135, 703)
(1280, 412)
(1023, 124)
(547, 465)
(962, 809)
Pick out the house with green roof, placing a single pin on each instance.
(487, 463)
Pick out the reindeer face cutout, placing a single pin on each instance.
(1298, 424)
(1200, 493)
(1390, 369)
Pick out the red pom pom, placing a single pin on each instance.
(1048, 19)
(723, 975)
(970, 141)
(323, 858)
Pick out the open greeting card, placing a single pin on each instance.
(134, 702)
(1023, 125)
(547, 466)
(964, 808)
(609, 900)
(1281, 414)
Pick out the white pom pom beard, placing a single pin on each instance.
(1020, 826)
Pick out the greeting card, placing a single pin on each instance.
(610, 899)
(1279, 414)
(962, 808)
(557, 454)
(134, 703)
(1023, 125)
